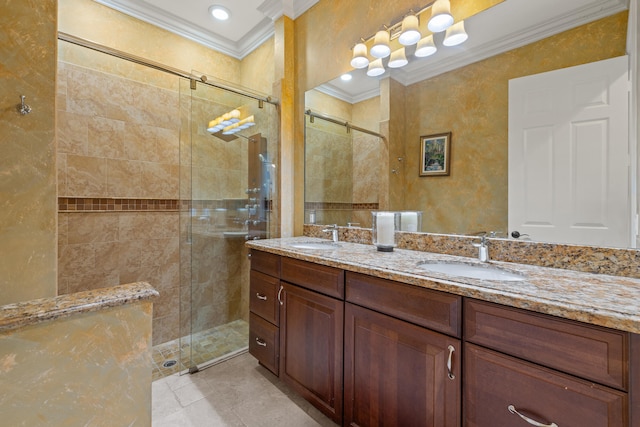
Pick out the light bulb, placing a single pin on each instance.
(410, 31)
(441, 17)
(380, 48)
(425, 47)
(398, 59)
(455, 35)
(375, 68)
(360, 59)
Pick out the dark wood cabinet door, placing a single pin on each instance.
(311, 335)
(396, 373)
(495, 382)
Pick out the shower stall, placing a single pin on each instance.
(227, 176)
(163, 175)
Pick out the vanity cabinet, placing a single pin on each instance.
(368, 351)
(396, 371)
(523, 368)
(311, 333)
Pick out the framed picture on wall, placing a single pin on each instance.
(435, 153)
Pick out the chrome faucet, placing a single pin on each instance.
(334, 232)
(483, 249)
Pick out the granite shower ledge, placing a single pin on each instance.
(598, 299)
(18, 315)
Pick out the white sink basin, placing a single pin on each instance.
(314, 245)
(483, 272)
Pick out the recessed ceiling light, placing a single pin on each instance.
(346, 77)
(221, 13)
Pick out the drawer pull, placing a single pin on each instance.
(513, 410)
(279, 293)
(260, 296)
(261, 342)
(449, 369)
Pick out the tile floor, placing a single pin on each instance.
(234, 393)
(207, 345)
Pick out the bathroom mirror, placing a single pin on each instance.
(442, 94)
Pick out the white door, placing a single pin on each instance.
(569, 163)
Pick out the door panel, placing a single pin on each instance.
(569, 165)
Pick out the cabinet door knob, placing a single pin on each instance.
(261, 342)
(260, 296)
(449, 369)
(513, 410)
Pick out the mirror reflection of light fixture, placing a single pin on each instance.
(410, 31)
(398, 59)
(360, 59)
(441, 17)
(425, 47)
(227, 120)
(455, 35)
(375, 68)
(380, 48)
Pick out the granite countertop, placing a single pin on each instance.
(17, 315)
(610, 301)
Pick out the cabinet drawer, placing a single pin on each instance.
(494, 382)
(264, 342)
(590, 352)
(263, 297)
(431, 309)
(265, 263)
(319, 278)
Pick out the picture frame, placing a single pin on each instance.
(435, 154)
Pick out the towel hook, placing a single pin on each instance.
(23, 108)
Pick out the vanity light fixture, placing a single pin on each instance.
(407, 32)
(455, 35)
(425, 47)
(398, 59)
(380, 48)
(220, 13)
(410, 33)
(360, 59)
(441, 17)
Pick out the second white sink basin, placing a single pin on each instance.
(314, 245)
(483, 272)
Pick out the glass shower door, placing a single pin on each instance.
(228, 198)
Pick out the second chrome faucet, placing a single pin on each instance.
(334, 232)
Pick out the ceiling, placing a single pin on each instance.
(506, 26)
(250, 24)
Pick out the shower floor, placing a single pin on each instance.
(205, 346)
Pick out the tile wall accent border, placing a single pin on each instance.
(340, 206)
(90, 204)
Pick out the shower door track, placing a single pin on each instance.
(157, 66)
(348, 125)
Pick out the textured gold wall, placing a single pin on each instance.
(27, 163)
(472, 103)
(88, 369)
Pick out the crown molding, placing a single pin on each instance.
(347, 97)
(425, 68)
(272, 9)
